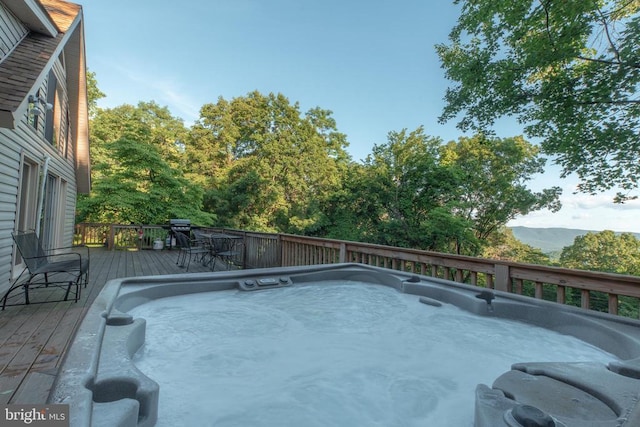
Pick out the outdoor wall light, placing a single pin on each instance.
(38, 105)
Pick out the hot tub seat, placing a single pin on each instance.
(570, 394)
(122, 395)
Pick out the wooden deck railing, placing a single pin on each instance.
(119, 236)
(587, 289)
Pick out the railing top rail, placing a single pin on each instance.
(547, 274)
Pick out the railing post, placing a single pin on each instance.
(140, 237)
(343, 252)
(112, 236)
(502, 278)
(281, 250)
(244, 250)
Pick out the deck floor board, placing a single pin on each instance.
(34, 338)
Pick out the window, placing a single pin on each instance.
(52, 218)
(42, 204)
(65, 136)
(57, 116)
(52, 120)
(28, 198)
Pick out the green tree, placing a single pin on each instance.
(415, 193)
(609, 252)
(349, 212)
(146, 122)
(568, 70)
(264, 164)
(503, 245)
(137, 160)
(604, 251)
(493, 175)
(399, 196)
(138, 186)
(93, 93)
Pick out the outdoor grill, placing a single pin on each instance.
(179, 226)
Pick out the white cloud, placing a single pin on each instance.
(150, 85)
(602, 200)
(179, 103)
(586, 212)
(581, 216)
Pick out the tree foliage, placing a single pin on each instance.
(404, 195)
(608, 252)
(416, 192)
(568, 70)
(493, 175)
(504, 246)
(266, 165)
(138, 186)
(604, 251)
(137, 169)
(146, 122)
(93, 93)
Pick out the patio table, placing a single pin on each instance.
(227, 247)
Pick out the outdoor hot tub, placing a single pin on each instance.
(343, 344)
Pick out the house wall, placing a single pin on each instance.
(11, 31)
(30, 142)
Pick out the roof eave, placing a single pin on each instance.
(33, 15)
(79, 106)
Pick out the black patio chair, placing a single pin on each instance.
(222, 247)
(189, 248)
(58, 267)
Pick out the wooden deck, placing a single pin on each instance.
(33, 338)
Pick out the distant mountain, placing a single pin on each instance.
(550, 240)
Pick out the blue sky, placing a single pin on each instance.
(372, 63)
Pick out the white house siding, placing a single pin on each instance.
(25, 139)
(11, 31)
(36, 37)
(9, 173)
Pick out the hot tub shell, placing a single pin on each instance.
(104, 388)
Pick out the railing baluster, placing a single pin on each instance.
(585, 298)
(518, 289)
(490, 281)
(538, 291)
(613, 303)
(561, 294)
(458, 275)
